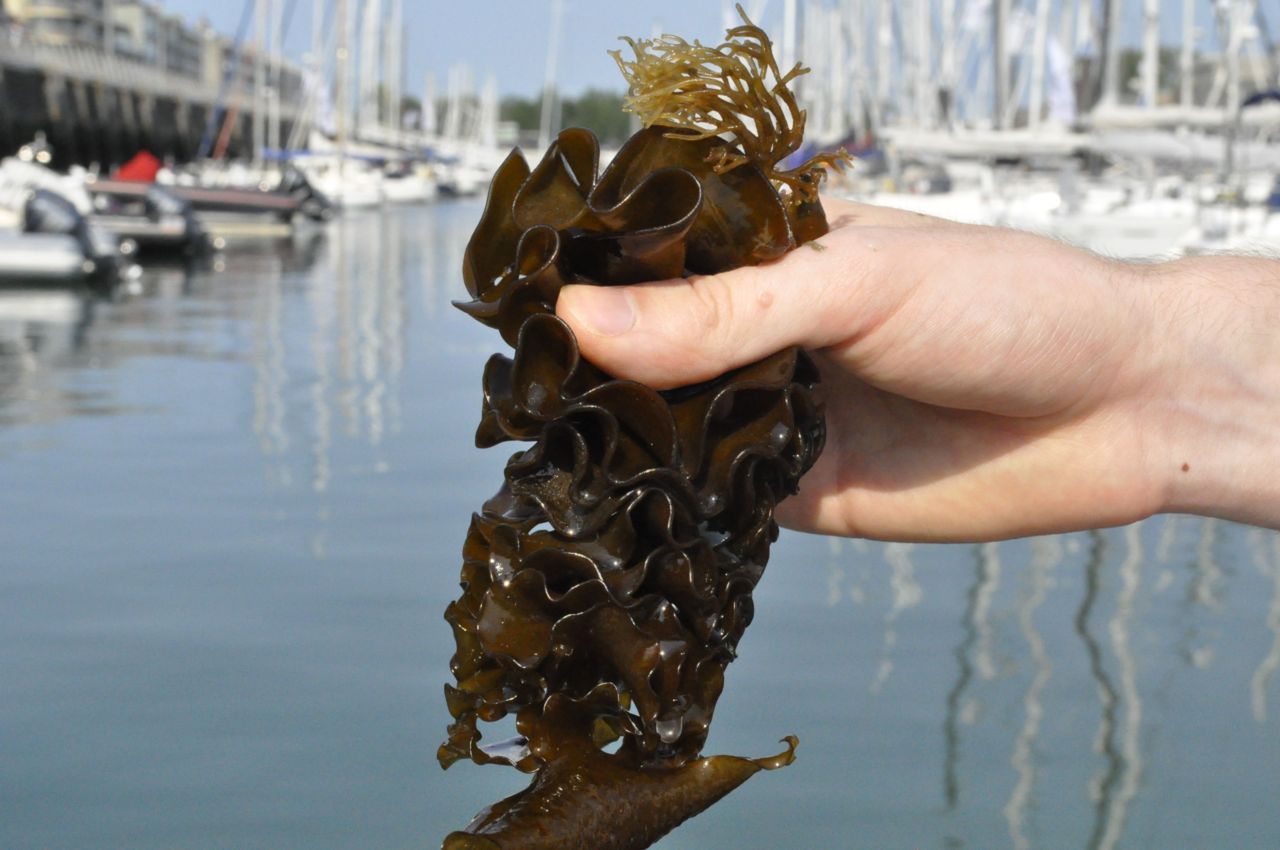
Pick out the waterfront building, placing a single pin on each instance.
(103, 79)
(135, 30)
(63, 23)
(181, 48)
(145, 33)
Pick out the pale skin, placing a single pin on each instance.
(985, 383)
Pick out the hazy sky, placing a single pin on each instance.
(508, 38)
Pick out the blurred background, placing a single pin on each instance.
(236, 411)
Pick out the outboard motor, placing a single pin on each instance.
(48, 212)
(312, 202)
(161, 203)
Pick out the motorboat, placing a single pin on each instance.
(45, 240)
(141, 216)
(236, 203)
(292, 197)
(153, 218)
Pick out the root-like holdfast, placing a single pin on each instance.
(607, 584)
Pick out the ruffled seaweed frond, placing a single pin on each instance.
(734, 91)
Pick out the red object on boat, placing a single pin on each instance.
(143, 168)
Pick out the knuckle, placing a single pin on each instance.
(712, 305)
(719, 314)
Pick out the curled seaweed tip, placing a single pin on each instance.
(733, 90)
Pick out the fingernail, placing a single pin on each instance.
(605, 310)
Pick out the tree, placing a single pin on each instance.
(598, 110)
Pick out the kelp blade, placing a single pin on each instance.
(601, 804)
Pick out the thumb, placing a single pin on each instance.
(678, 332)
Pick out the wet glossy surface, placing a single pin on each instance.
(611, 575)
(232, 508)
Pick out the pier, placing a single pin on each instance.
(99, 107)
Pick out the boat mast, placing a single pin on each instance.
(370, 24)
(1072, 24)
(789, 24)
(1039, 58)
(1235, 45)
(259, 80)
(812, 87)
(429, 115)
(1188, 59)
(1150, 53)
(549, 84)
(923, 54)
(310, 116)
(342, 18)
(999, 23)
(864, 109)
(884, 58)
(947, 61)
(453, 106)
(837, 72)
(319, 67)
(277, 62)
(388, 98)
(1111, 51)
(487, 124)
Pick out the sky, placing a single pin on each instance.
(508, 38)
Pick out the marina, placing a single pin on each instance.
(233, 501)
(237, 408)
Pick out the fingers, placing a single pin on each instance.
(678, 332)
(841, 213)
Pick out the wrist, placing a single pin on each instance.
(1214, 406)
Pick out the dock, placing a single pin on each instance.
(100, 107)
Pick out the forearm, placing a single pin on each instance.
(1216, 402)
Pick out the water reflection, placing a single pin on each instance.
(847, 576)
(1270, 568)
(1046, 554)
(1118, 608)
(956, 697)
(40, 328)
(349, 355)
(60, 348)
(905, 594)
(1203, 592)
(984, 647)
(1103, 782)
(306, 404)
(1114, 810)
(270, 375)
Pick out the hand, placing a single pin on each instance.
(980, 383)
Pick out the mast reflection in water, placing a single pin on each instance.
(231, 508)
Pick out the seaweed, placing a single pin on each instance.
(732, 90)
(606, 586)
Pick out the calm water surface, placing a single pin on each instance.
(231, 507)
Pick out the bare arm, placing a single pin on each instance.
(985, 383)
(1216, 377)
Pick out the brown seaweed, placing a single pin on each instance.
(606, 586)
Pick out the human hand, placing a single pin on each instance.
(980, 383)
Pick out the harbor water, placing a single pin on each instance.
(231, 507)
